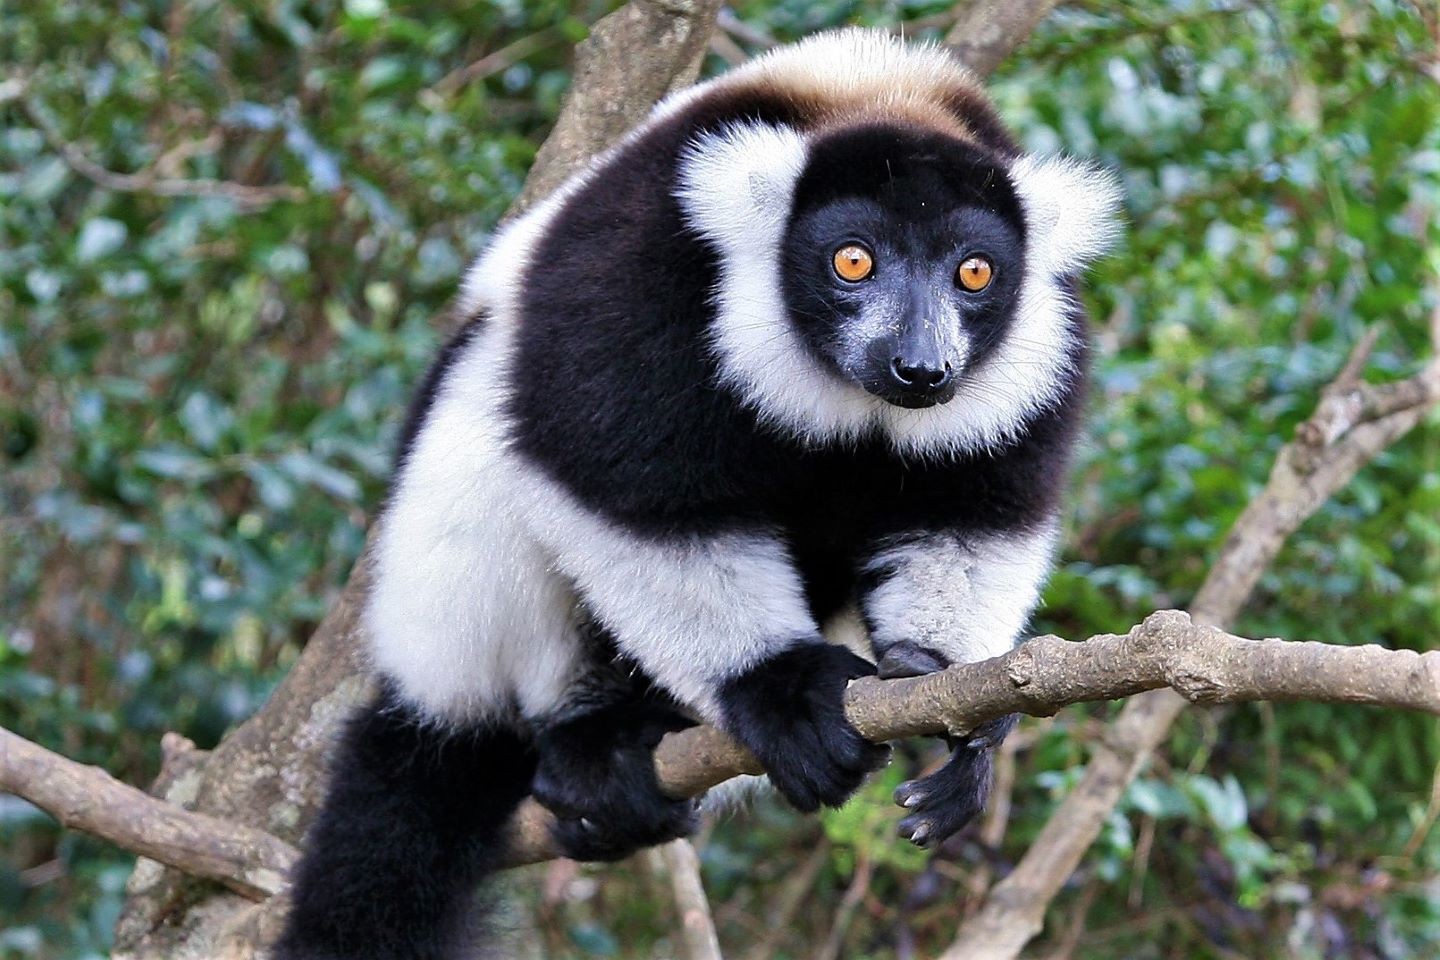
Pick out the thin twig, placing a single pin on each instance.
(1140, 862)
(742, 31)
(697, 926)
(728, 50)
(150, 181)
(1432, 813)
(1076, 927)
(792, 894)
(496, 61)
(859, 884)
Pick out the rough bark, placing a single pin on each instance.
(632, 59)
(985, 32)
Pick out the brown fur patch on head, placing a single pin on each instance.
(858, 76)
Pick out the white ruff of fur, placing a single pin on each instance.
(736, 188)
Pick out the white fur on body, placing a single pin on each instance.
(484, 567)
(965, 596)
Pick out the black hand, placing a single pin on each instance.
(789, 711)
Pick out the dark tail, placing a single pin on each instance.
(412, 823)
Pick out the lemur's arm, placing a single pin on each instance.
(933, 599)
(721, 622)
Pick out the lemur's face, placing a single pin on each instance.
(903, 262)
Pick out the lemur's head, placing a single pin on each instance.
(902, 262)
(888, 258)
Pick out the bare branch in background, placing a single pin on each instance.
(146, 181)
(743, 32)
(251, 862)
(495, 62)
(697, 927)
(1352, 423)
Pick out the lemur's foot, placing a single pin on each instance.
(597, 775)
(943, 803)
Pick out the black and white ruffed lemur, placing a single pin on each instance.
(802, 350)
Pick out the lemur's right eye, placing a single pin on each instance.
(853, 263)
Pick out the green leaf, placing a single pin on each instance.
(99, 237)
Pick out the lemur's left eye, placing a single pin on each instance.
(974, 273)
(853, 263)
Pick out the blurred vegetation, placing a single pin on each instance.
(199, 389)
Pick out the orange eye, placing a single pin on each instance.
(974, 273)
(853, 263)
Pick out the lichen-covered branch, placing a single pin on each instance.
(253, 863)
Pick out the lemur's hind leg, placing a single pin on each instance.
(597, 775)
(413, 821)
(942, 803)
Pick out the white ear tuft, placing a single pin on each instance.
(736, 185)
(1071, 211)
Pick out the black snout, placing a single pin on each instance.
(920, 373)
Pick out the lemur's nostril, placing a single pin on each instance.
(922, 374)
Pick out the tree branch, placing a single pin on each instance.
(251, 862)
(697, 927)
(270, 771)
(985, 32)
(1202, 664)
(632, 58)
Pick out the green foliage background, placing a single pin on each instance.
(197, 399)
